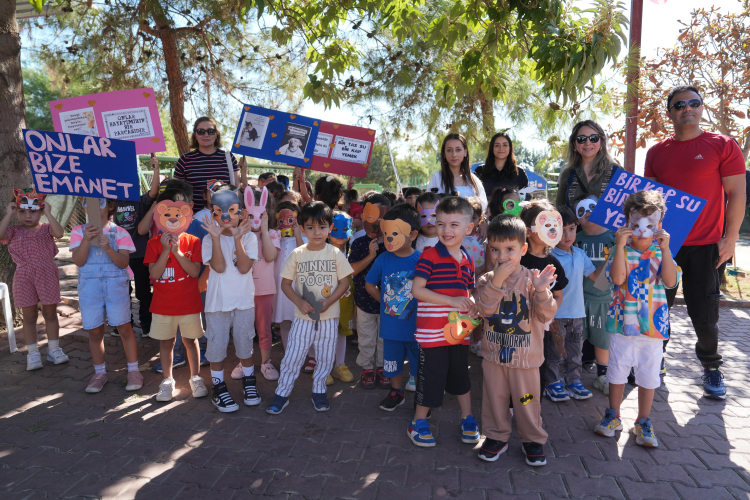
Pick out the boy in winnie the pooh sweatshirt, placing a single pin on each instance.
(515, 303)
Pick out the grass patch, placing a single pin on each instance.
(737, 285)
(37, 427)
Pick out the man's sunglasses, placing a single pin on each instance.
(680, 105)
(593, 139)
(204, 131)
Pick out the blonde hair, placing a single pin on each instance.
(602, 160)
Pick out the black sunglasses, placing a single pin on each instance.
(204, 131)
(593, 139)
(680, 105)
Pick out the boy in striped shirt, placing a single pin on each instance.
(446, 316)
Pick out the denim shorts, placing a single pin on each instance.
(101, 298)
(394, 353)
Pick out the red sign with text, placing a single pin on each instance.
(343, 149)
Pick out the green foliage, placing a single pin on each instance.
(37, 93)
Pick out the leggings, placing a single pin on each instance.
(263, 314)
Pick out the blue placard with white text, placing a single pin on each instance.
(82, 165)
(683, 209)
(276, 136)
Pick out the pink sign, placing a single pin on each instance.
(343, 149)
(129, 115)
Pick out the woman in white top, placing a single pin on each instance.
(455, 175)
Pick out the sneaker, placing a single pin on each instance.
(411, 385)
(277, 405)
(602, 384)
(476, 348)
(222, 400)
(114, 332)
(644, 433)
(342, 373)
(713, 384)
(310, 365)
(203, 360)
(491, 450)
(250, 391)
(367, 379)
(237, 373)
(198, 387)
(166, 390)
(589, 365)
(609, 424)
(135, 381)
(382, 381)
(34, 361)
(268, 370)
(578, 391)
(631, 378)
(146, 332)
(556, 392)
(534, 454)
(469, 430)
(320, 402)
(420, 434)
(57, 356)
(177, 361)
(392, 401)
(96, 384)
(663, 367)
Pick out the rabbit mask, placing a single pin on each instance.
(254, 213)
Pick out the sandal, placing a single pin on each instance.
(310, 365)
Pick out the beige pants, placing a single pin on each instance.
(501, 384)
(370, 343)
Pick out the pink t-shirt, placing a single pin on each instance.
(263, 278)
(122, 238)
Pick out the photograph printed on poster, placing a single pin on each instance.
(294, 140)
(79, 121)
(253, 130)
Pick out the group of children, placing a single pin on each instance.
(429, 280)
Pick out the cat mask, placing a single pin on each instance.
(225, 207)
(644, 226)
(29, 199)
(342, 227)
(548, 225)
(426, 215)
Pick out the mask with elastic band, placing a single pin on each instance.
(548, 225)
(395, 234)
(586, 205)
(225, 207)
(342, 227)
(286, 219)
(426, 215)
(29, 199)
(372, 215)
(512, 207)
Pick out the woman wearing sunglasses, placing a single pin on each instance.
(206, 161)
(588, 166)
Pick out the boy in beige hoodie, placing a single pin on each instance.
(515, 303)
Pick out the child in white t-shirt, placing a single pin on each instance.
(428, 230)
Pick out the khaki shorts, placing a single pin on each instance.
(165, 327)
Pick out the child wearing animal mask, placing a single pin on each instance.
(515, 302)
(363, 253)
(570, 315)
(174, 259)
(427, 230)
(103, 274)
(355, 212)
(389, 282)
(538, 255)
(341, 231)
(504, 200)
(32, 247)
(447, 315)
(231, 249)
(314, 278)
(597, 242)
(291, 238)
(641, 269)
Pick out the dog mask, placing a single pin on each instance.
(29, 199)
(355, 210)
(225, 207)
(548, 225)
(426, 215)
(587, 205)
(172, 216)
(342, 227)
(395, 234)
(286, 219)
(372, 216)
(254, 212)
(644, 226)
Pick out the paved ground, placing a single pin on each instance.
(58, 442)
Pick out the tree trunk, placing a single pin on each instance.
(13, 163)
(488, 117)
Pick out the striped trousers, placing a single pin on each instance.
(302, 335)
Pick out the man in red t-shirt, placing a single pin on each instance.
(707, 165)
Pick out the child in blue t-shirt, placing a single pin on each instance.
(389, 282)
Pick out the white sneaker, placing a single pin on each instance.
(57, 356)
(198, 387)
(602, 384)
(33, 361)
(166, 389)
(237, 373)
(411, 385)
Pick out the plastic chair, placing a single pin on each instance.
(5, 297)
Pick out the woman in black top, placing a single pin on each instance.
(500, 169)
